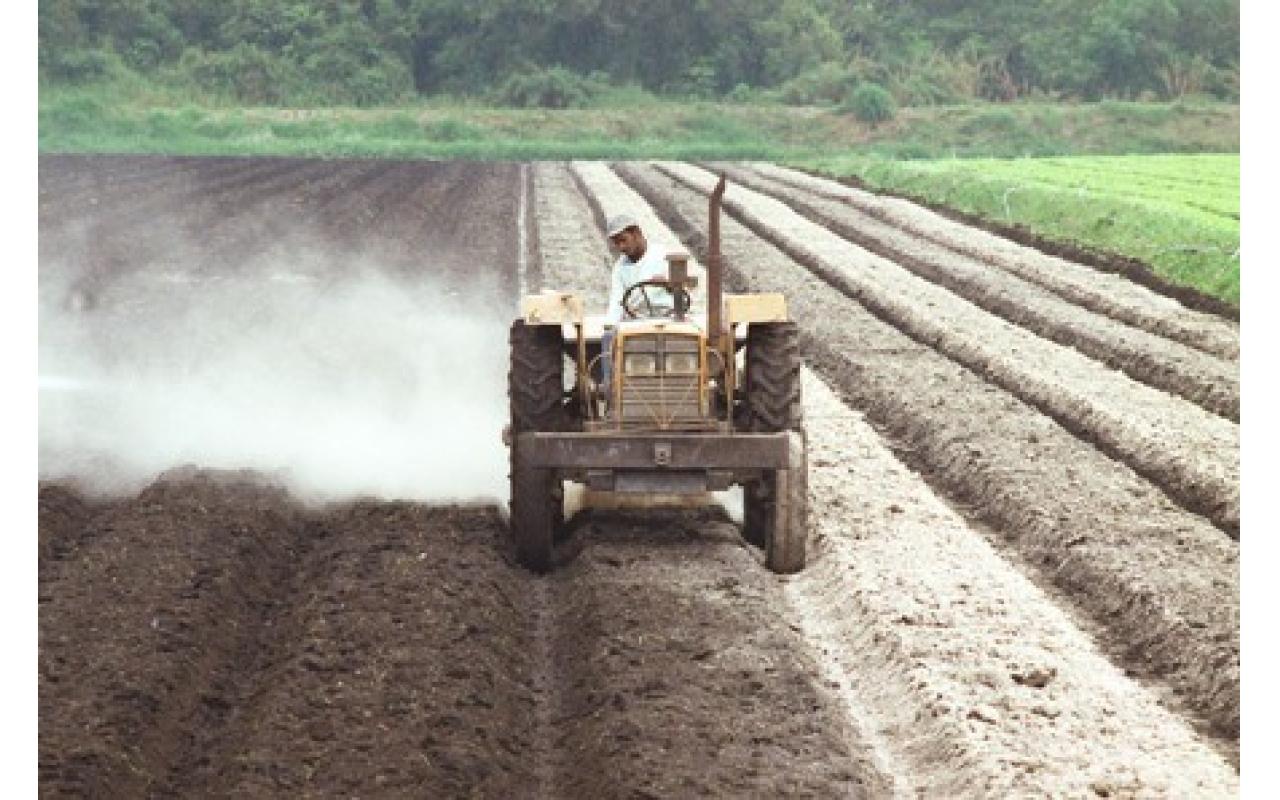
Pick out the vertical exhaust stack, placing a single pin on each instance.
(715, 290)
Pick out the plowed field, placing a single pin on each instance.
(273, 559)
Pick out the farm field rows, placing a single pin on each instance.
(1189, 184)
(1024, 493)
(1180, 214)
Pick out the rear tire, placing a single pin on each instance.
(788, 526)
(772, 404)
(535, 387)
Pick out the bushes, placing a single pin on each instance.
(554, 87)
(252, 75)
(825, 84)
(76, 66)
(871, 103)
(246, 72)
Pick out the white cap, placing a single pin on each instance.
(619, 223)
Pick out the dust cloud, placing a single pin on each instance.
(362, 385)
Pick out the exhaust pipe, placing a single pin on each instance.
(715, 290)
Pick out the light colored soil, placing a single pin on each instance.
(928, 652)
(1163, 582)
(572, 254)
(975, 679)
(1099, 291)
(1168, 365)
(1191, 453)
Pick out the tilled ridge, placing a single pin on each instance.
(78, 190)
(1107, 294)
(1162, 582)
(399, 668)
(65, 521)
(277, 229)
(1193, 454)
(161, 600)
(572, 253)
(680, 677)
(685, 682)
(1211, 382)
(976, 682)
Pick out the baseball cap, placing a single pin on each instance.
(619, 223)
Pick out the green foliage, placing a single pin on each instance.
(76, 66)
(796, 38)
(71, 112)
(452, 130)
(698, 81)
(246, 72)
(926, 52)
(1180, 214)
(742, 93)
(710, 124)
(872, 103)
(555, 87)
(828, 83)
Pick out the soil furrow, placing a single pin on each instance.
(402, 671)
(679, 676)
(282, 231)
(1192, 454)
(936, 673)
(568, 242)
(65, 172)
(103, 248)
(141, 209)
(1208, 381)
(626, 664)
(65, 522)
(1109, 294)
(157, 606)
(970, 673)
(549, 766)
(1153, 575)
(210, 637)
(83, 186)
(276, 224)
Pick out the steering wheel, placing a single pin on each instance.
(636, 299)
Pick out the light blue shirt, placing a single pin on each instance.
(628, 273)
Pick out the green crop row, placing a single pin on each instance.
(1177, 213)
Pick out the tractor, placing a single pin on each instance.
(695, 403)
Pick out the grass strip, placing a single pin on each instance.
(105, 119)
(1179, 240)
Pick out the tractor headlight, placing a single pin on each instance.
(640, 364)
(682, 363)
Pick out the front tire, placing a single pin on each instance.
(535, 388)
(537, 513)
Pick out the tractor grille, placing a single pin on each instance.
(662, 402)
(655, 394)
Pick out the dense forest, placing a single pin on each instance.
(562, 52)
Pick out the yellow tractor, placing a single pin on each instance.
(695, 403)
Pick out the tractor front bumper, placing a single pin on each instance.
(655, 463)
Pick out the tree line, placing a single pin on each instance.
(564, 52)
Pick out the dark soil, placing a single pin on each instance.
(210, 636)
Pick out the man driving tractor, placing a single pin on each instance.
(638, 261)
